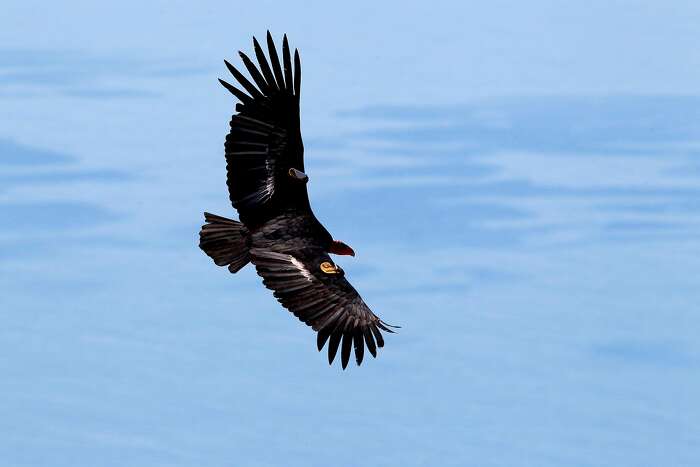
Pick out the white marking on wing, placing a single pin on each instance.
(300, 266)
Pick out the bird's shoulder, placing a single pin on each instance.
(294, 230)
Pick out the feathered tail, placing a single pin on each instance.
(225, 241)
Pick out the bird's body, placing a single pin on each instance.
(278, 232)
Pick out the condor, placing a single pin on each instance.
(278, 231)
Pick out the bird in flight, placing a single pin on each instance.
(278, 232)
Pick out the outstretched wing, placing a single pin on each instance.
(264, 143)
(312, 287)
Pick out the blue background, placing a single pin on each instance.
(520, 181)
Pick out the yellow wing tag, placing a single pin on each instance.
(298, 175)
(329, 268)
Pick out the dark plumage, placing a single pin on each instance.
(278, 231)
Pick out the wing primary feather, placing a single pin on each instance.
(369, 340)
(381, 326)
(297, 74)
(288, 80)
(347, 347)
(252, 90)
(377, 335)
(359, 346)
(333, 345)
(264, 66)
(243, 97)
(390, 325)
(274, 59)
(254, 73)
(322, 337)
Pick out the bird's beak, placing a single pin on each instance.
(340, 248)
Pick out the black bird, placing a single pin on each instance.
(278, 231)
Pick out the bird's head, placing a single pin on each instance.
(340, 248)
